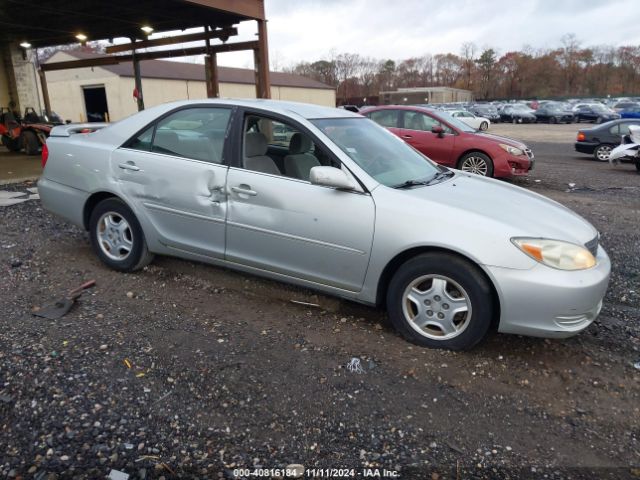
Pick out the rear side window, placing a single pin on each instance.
(624, 127)
(386, 118)
(195, 133)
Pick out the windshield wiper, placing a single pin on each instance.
(440, 176)
(411, 183)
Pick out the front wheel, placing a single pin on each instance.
(484, 126)
(440, 300)
(476, 162)
(117, 237)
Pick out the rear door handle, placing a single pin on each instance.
(244, 191)
(129, 166)
(407, 136)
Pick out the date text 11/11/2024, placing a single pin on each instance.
(316, 472)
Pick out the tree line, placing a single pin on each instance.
(567, 71)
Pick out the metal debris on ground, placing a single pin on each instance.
(117, 475)
(61, 307)
(355, 366)
(306, 304)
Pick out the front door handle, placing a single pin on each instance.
(407, 136)
(244, 191)
(129, 166)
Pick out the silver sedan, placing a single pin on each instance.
(339, 205)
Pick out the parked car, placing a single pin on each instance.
(620, 106)
(347, 209)
(553, 113)
(474, 121)
(487, 111)
(631, 112)
(517, 113)
(600, 140)
(594, 112)
(450, 142)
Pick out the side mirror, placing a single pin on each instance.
(438, 130)
(330, 177)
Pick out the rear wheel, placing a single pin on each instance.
(440, 300)
(602, 152)
(30, 142)
(553, 120)
(484, 126)
(12, 144)
(476, 162)
(116, 236)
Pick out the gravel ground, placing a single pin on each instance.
(190, 371)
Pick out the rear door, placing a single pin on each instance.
(172, 173)
(286, 225)
(388, 118)
(417, 132)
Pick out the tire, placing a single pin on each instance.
(553, 120)
(30, 142)
(598, 120)
(12, 144)
(484, 126)
(120, 246)
(477, 163)
(514, 120)
(428, 288)
(602, 152)
(637, 162)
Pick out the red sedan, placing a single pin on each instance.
(451, 142)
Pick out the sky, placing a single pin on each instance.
(397, 29)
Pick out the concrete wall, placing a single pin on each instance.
(18, 79)
(65, 91)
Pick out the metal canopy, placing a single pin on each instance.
(45, 23)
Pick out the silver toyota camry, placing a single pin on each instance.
(327, 199)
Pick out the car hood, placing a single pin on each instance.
(518, 211)
(501, 139)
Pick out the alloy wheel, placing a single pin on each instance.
(436, 307)
(114, 236)
(477, 165)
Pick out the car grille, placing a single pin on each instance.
(592, 245)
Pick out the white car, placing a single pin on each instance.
(474, 121)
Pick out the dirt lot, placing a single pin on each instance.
(226, 372)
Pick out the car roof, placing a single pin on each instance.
(304, 110)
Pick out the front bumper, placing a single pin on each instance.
(545, 302)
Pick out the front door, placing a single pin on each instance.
(417, 133)
(172, 174)
(278, 221)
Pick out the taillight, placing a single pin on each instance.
(45, 154)
(581, 137)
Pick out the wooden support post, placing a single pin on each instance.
(211, 73)
(45, 92)
(261, 62)
(211, 69)
(138, 81)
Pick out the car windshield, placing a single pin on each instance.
(454, 122)
(385, 157)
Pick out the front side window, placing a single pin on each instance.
(278, 148)
(419, 121)
(380, 153)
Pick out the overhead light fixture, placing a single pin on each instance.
(82, 37)
(147, 29)
(25, 45)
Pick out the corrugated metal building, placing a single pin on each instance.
(93, 93)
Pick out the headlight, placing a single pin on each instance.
(556, 253)
(515, 151)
